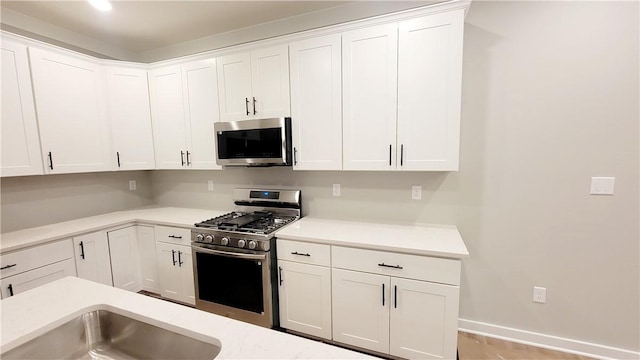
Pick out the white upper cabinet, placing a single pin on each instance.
(20, 140)
(370, 82)
(184, 107)
(429, 91)
(200, 93)
(316, 108)
(167, 111)
(71, 108)
(130, 118)
(254, 85)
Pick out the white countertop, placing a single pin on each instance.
(36, 311)
(169, 216)
(420, 239)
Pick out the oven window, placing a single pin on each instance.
(257, 143)
(230, 281)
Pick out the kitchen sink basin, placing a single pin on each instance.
(103, 334)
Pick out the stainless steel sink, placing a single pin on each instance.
(102, 334)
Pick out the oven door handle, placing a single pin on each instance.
(229, 254)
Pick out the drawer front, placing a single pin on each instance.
(302, 252)
(24, 260)
(173, 235)
(445, 271)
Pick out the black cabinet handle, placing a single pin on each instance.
(395, 296)
(118, 156)
(391, 266)
(246, 104)
(295, 156)
(389, 154)
(8, 266)
(182, 157)
(401, 154)
(301, 254)
(173, 257)
(254, 106)
(180, 258)
(188, 160)
(175, 237)
(82, 249)
(10, 287)
(50, 161)
(280, 274)
(382, 294)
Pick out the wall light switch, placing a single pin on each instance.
(132, 185)
(602, 185)
(336, 189)
(210, 185)
(416, 192)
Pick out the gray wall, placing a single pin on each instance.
(550, 98)
(39, 200)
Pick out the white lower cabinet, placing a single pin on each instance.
(29, 268)
(305, 298)
(92, 257)
(361, 309)
(148, 259)
(125, 262)
(175, 264)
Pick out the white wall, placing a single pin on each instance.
(30, 201)
(550, 98)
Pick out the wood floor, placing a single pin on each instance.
(477, 347)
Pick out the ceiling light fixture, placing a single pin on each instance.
(102, 5)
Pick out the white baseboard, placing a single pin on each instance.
(546, 341)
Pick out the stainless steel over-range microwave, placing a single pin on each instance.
(262, 142)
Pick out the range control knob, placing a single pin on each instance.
(208, 238)
(224, 241)
(252, 244)
(241, 243)
(199, 237)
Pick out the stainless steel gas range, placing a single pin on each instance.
(234, 255)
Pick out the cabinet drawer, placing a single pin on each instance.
(173, 235)
(35, 257)
(307, 253)
(445, 271)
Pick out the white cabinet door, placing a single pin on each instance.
(270, 82)
(71, 106)
(201, 103)
(185, 267)
(130, 118)
(168, 114)
(125, 261)
(370, 82)
(20, 141)
(429, 91)
(424, 319)
(92, 257)
(305, 298)
(148, 260)
(361, 309)
(234, 87)
(169, 274)
(16, 284)
(316, 108)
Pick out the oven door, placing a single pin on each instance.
(233, 283)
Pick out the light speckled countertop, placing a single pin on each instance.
(36, 311)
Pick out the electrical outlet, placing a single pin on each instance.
(336, 189)
(539, 294)
(602, 185)
(416, 192)
(210, 185)
(132, 185)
